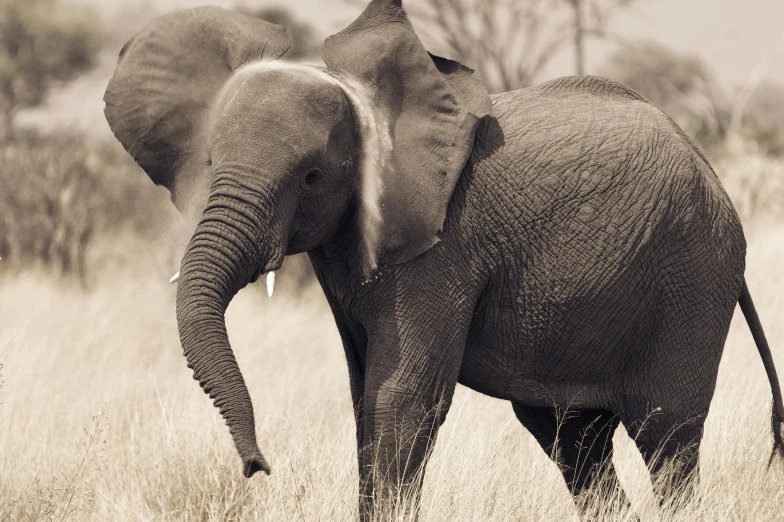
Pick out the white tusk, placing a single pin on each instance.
(174, 278)
(270, 282)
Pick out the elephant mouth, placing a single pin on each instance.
(269, 270)
(258, 273)
(273, 265)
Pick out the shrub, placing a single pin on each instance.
(60, 192)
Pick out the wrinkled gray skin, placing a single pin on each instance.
(588, 257)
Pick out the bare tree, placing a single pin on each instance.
(591, 19)
(579, 36)
(510, 42)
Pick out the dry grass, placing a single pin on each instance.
(159, 451)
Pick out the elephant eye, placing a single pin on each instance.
(311, 178)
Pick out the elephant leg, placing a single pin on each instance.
(355, 347)
(414, 357)
(668, 400)
(580, 443)
(402, 415)
(670, 444)
(357, 384)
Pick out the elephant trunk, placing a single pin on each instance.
(225, 253)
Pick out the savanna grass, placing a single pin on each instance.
(161, 452)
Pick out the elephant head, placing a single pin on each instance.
(276, 158)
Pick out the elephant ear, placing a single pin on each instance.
(431, 108)
(167, 77)
(469, 90)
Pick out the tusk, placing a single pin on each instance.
(174, 278)
(270, 283)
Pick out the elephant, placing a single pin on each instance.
(564, 244)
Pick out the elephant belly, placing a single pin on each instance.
(542, 365)
(585, 322)
(562, 334)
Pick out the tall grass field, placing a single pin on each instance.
(100, 418)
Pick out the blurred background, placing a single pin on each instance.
(75, 203)
(100, 418)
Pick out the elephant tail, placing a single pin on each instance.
(777, 415)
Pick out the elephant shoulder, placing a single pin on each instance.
(587, 84)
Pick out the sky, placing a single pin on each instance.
(733, 36)
(736, 38)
